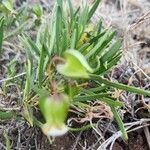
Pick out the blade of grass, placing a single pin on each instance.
(33, 46)
(71, 10)
(7, 140)
(17, 30)
(119, 85)
(112, 51)
(113, 62)
(41, 66)
(120, 123)
(6, 115)
(100, 45)
(84, 47)
(93, 9)
(101, 97)
(58, 28)
(1, 33)
(73, 40)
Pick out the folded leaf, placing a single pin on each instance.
(75, 65)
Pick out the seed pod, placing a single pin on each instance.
(55, 109)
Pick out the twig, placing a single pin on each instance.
(147, 134)
(11, 78)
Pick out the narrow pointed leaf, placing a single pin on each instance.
(101, 97)
(112, 51)
(93, 9)
(1, 33)
(120, 85)
(120, 123)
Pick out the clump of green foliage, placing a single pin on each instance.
(69, 51)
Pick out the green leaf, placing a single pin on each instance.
(1, 33)
(119, 85)
(71, 10)
(101, 97)
(8, 4)
(75, 65)
(30, 44)
(104, 69)
(59, 3)
(38, 10)
(7, 141)
(4, 115)
(120, 123)
(83, 19)
(112, 51)
(93, 9)
(41, 66)
(73, 40)
(28, 114)
(98, 89)
(100, 45)
(84, 47)
(112, 102)
(58, 28)
(96, 38)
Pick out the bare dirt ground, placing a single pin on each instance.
(131, 18)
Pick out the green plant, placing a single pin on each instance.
(1, 33)
(69, 50)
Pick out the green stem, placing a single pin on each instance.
(119, 85)
(86, 127)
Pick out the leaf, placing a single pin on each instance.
(8, 4)
(100, 45)
(112, 51)
(28, 114)
(83, 19)
(1, 33)
(75, 65)
(71, 10)
(7, 141)
(84, 47)
(29, 43)
(98, 89)
(101, 97)
(41, 66)
(93, 9)
(59, 3)
(38, 10)
(96, 38)
(58, 28)
(119, 85)
(73, 40)
(112, 102)
(120, 123)
(4, 115)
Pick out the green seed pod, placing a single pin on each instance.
(55, 109)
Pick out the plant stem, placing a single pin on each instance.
(119, 85)
(86, 127)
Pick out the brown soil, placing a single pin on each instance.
(68, 142)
